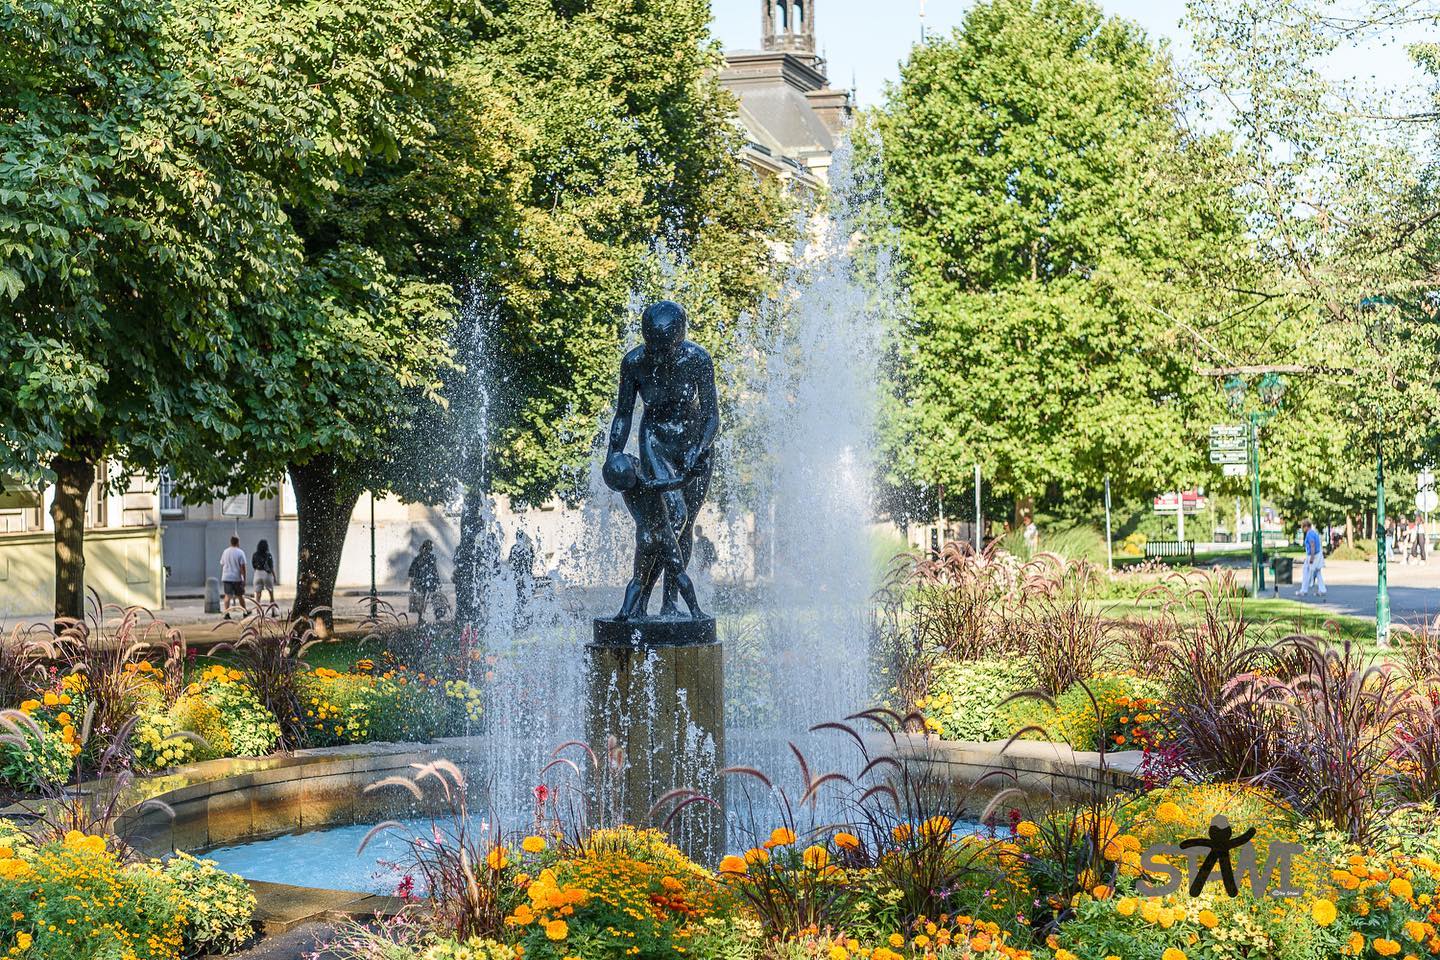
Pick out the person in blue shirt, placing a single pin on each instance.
(1312, 576)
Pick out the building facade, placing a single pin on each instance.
(792, 117)
(124, 554)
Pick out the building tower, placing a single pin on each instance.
(789, 26)
(792, 116)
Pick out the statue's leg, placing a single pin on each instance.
(637, 593)
(694, 494)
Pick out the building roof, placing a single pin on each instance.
(789, 111)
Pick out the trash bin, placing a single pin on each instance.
(1284, 569)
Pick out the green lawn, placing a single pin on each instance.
(1287, 616)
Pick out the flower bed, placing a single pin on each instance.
(1062, 887)
(74, 897)
(112, 705)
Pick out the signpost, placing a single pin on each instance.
(237, 506)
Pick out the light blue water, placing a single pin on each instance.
(328, 859)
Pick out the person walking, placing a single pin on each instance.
(1312, 572)
(1421, 538)
(263, 562)
(1032, 535)
(232, 576)
(706, 555)
(424, 576)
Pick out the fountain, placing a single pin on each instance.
(665, 700)
(657, 683)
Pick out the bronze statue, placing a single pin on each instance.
(676, 380)
(655, 545)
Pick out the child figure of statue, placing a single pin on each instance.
(655, 542)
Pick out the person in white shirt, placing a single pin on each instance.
(232, 576)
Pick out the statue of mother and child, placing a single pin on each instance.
(665, 485)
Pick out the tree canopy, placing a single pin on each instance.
(1052, 228)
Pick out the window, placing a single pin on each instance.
(171, 504)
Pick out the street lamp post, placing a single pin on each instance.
(1270, 389)
(1382, 588)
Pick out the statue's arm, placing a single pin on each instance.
(624, 407)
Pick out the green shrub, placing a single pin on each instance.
(1357, 550)
(39, 755)
(1125, 703)
(965, 697)
(1071, 541)
(155, 744)
(252, 730)
(219, 906)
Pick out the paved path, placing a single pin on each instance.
(1414, 590)
(203, 629)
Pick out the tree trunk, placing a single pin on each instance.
(323, 512)
(1349, 531)
(74, 478)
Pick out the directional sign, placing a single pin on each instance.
(1228, 456)
(1235, 469)
(1227, 430)
(1227, 443)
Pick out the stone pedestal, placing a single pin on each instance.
(657, 723)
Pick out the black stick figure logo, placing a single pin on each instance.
(1220, 843)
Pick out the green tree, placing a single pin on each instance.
(565, 144)
(1339, 187)
(151, 156)
(1055, 220)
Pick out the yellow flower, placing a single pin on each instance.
(51, 700)
(1415, 930)
(1323, 912)
(1356, 943)
(28, 706)
(815, 857)
(901, 833)
(1126, 906)
(756, 855)
(1172, 953)
(498, 858)
(1063, 954)
(1027, 829)
(1400, 887)
(1386, 948)
(838, 952)
(847, 841)
(732, 864)
(557, 930)
(1208, 920)
(936, 826)
(533, 844)
(1169, 812)
(24, 940)
(896, 940)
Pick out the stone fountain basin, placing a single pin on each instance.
(233, 801)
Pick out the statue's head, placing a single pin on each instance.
(619, 471)
(663, 326)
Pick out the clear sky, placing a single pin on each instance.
(867, 39)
